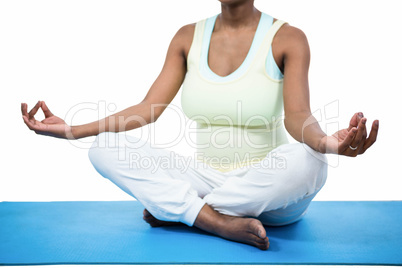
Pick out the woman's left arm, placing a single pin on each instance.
(299, 121)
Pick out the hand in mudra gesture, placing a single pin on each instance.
(51, 126)
(353, 140)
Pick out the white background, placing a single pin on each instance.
(71, 53)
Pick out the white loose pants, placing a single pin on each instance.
(276, 190)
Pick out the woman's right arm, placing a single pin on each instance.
(161, 93)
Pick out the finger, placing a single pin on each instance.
(24, 109)
(348, 140)
(354, 122)
(373, 135)
(360, 132)
(365, 129)
(34, 109)
(361, 144)
(46, 110)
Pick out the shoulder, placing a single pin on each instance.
(187, 31)
(290, 40)
(184, 38)
(287, 31)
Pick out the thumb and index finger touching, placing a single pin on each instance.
(29, 117)
(34, 110)
(354, 122)
(354, 129)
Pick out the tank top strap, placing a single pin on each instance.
(262, 54)
(196, 46)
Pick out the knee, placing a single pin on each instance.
(312, 166)
(310, 158)
(98, 149)
(101, 154)
(304, 171)
(112, 150)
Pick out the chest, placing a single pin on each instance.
(244, 94)
(227, 51)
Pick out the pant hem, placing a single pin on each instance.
(191, 215)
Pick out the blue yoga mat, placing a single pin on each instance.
(353, 233)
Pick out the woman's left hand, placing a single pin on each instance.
(350, 141)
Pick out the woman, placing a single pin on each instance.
(239, 70)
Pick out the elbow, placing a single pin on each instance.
(290, 128)
(152, 119)
(153, 115)
(295, 123)
(289, 121)
(297, 118)
(151, 111)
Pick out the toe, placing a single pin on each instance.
(264, 245)
(258, 229)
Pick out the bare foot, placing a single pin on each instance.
(245, 230)
(154, 222)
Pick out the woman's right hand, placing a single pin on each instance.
(51, 126)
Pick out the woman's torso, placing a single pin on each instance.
(238, 109)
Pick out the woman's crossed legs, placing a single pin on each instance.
(233, 205)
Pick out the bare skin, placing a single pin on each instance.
(230, 42)
(243, 230)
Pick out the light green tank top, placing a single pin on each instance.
(240, 119)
